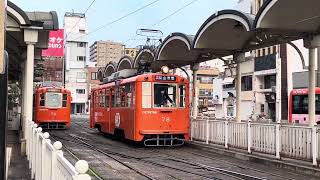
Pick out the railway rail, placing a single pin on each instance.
(115, 156)
(163, 163)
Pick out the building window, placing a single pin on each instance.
(82, 31)
(206, 80)
(127, 51)
(80, 91)
(230, 111)
(246, 83)
(94, 76)
(81, 58)
(228, 86)
(262, 108)
(81, 75)
(81, 44)
(269, 81)
(205, 92)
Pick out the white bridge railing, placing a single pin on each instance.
(47, 162)
(297, 142)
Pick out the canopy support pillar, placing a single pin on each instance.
(238, 57)
(30, 38)
(312, 43)
(195, 68)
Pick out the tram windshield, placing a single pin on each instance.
(165, 95)
(53, 100)
(300, 104)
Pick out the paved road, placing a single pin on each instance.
(112, 159)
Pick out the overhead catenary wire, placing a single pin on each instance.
(163, 19)
(65, 37)
(175, 12)
(118, 19)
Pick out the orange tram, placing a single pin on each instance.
(150, 108)
(52, 107)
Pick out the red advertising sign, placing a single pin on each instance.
(55, 44)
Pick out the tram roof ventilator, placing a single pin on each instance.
(144, 68)
(122, 74)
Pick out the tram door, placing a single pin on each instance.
(91, 100)
(108, 109)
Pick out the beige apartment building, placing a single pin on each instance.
(103, 52)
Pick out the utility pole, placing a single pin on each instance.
(3, 92)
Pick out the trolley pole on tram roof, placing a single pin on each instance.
(3, 92)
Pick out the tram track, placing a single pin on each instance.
(190, 151)
(228, 173)
(234, 164)
(111, 155)
(172, 162)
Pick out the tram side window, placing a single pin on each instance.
(42, 100)
(305, 105)
(113, 99)
(182, 94)
(96, 101)
(118, 97)
(122, 90)
(129, 94)
(107, 98)
(102, 98)
(296, 109)
(64, 100)
(300, 104)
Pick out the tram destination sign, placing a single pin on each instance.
(165, 78)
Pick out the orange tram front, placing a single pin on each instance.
(149, 108)
(52, 107)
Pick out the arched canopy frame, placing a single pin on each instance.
(144, 54)
(125, 62)
(291, 16)
(176, 48)
(225, 32)
(109, 69)
(100, 74)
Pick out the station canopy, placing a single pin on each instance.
(16, 23)
(230, 31)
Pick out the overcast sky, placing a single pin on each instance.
(102, 12)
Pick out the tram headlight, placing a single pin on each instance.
(165, 69)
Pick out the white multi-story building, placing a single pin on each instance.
(76, 53)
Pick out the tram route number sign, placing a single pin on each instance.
(165, 78)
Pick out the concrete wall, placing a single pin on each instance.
(72, 52)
